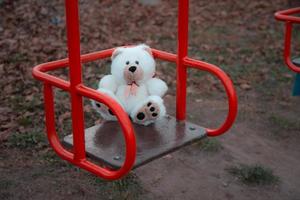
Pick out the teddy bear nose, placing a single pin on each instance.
(132, 68)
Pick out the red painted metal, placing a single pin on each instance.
(73, 35)
(77, 90)
(182, 50)
(229, 88)
(286, 15)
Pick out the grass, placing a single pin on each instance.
(53, 159)
(210, 145)
(254, 174)
(284, 123)
(26, 140)
(17, 57)
(125, 184)
(25, 121)
(20, 105)
(5, 184)
(126, 188)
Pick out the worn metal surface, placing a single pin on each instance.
(150, 2)
(105, 142)
(296, 61)
(296, 89)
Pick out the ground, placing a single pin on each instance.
(241, 37)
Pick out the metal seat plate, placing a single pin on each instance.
(296, 61)
(105, 142)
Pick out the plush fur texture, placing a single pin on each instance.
(133, 85)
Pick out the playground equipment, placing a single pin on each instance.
(104, 142)
(288, 16)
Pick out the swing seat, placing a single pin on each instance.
(105, 142)
(296, 89)
(290, 18)
(121, 146)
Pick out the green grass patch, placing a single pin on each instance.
(128, 187)
(254, 174)
(16, 57)
(127, 183)
(5, 184)
(53, 159)
(25, 121)
(284, 123)
(20, 105)
(27, 140)
(210, 145)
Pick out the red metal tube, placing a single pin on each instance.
(73, 35)
(50, 125)
(230, 91)
(125, 124)
(182, 49)
(285, 15)
(287, 48)
(170, 57)
(39, 73)
(83, 163)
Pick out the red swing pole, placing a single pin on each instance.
(73, 35)
(182, 50)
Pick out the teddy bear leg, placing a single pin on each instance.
(102, 109)
(148, 111)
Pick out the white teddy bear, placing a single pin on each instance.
(132, 83)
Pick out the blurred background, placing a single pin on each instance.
(257, 159)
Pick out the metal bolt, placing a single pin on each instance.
(192, 128)
(117, 158)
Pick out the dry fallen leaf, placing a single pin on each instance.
(63, 117)
(246, 86)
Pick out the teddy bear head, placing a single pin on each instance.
(133, 65)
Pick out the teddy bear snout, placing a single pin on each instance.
(133, 73)
(132, 69)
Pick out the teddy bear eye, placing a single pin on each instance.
(137, 62)
(127, 62)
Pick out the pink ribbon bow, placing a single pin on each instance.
(131, 90)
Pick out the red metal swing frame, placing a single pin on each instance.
(289, 19)
(78, 90)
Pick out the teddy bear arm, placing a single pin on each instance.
(157, 87)
(108, 82)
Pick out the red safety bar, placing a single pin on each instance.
(286, 15)
(77, 90)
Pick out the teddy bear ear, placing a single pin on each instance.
(117, 52)
(146, 48)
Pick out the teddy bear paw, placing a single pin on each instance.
(148, 113)
(104, 111)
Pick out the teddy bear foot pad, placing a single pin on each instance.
(105, 143)
(148, 113)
